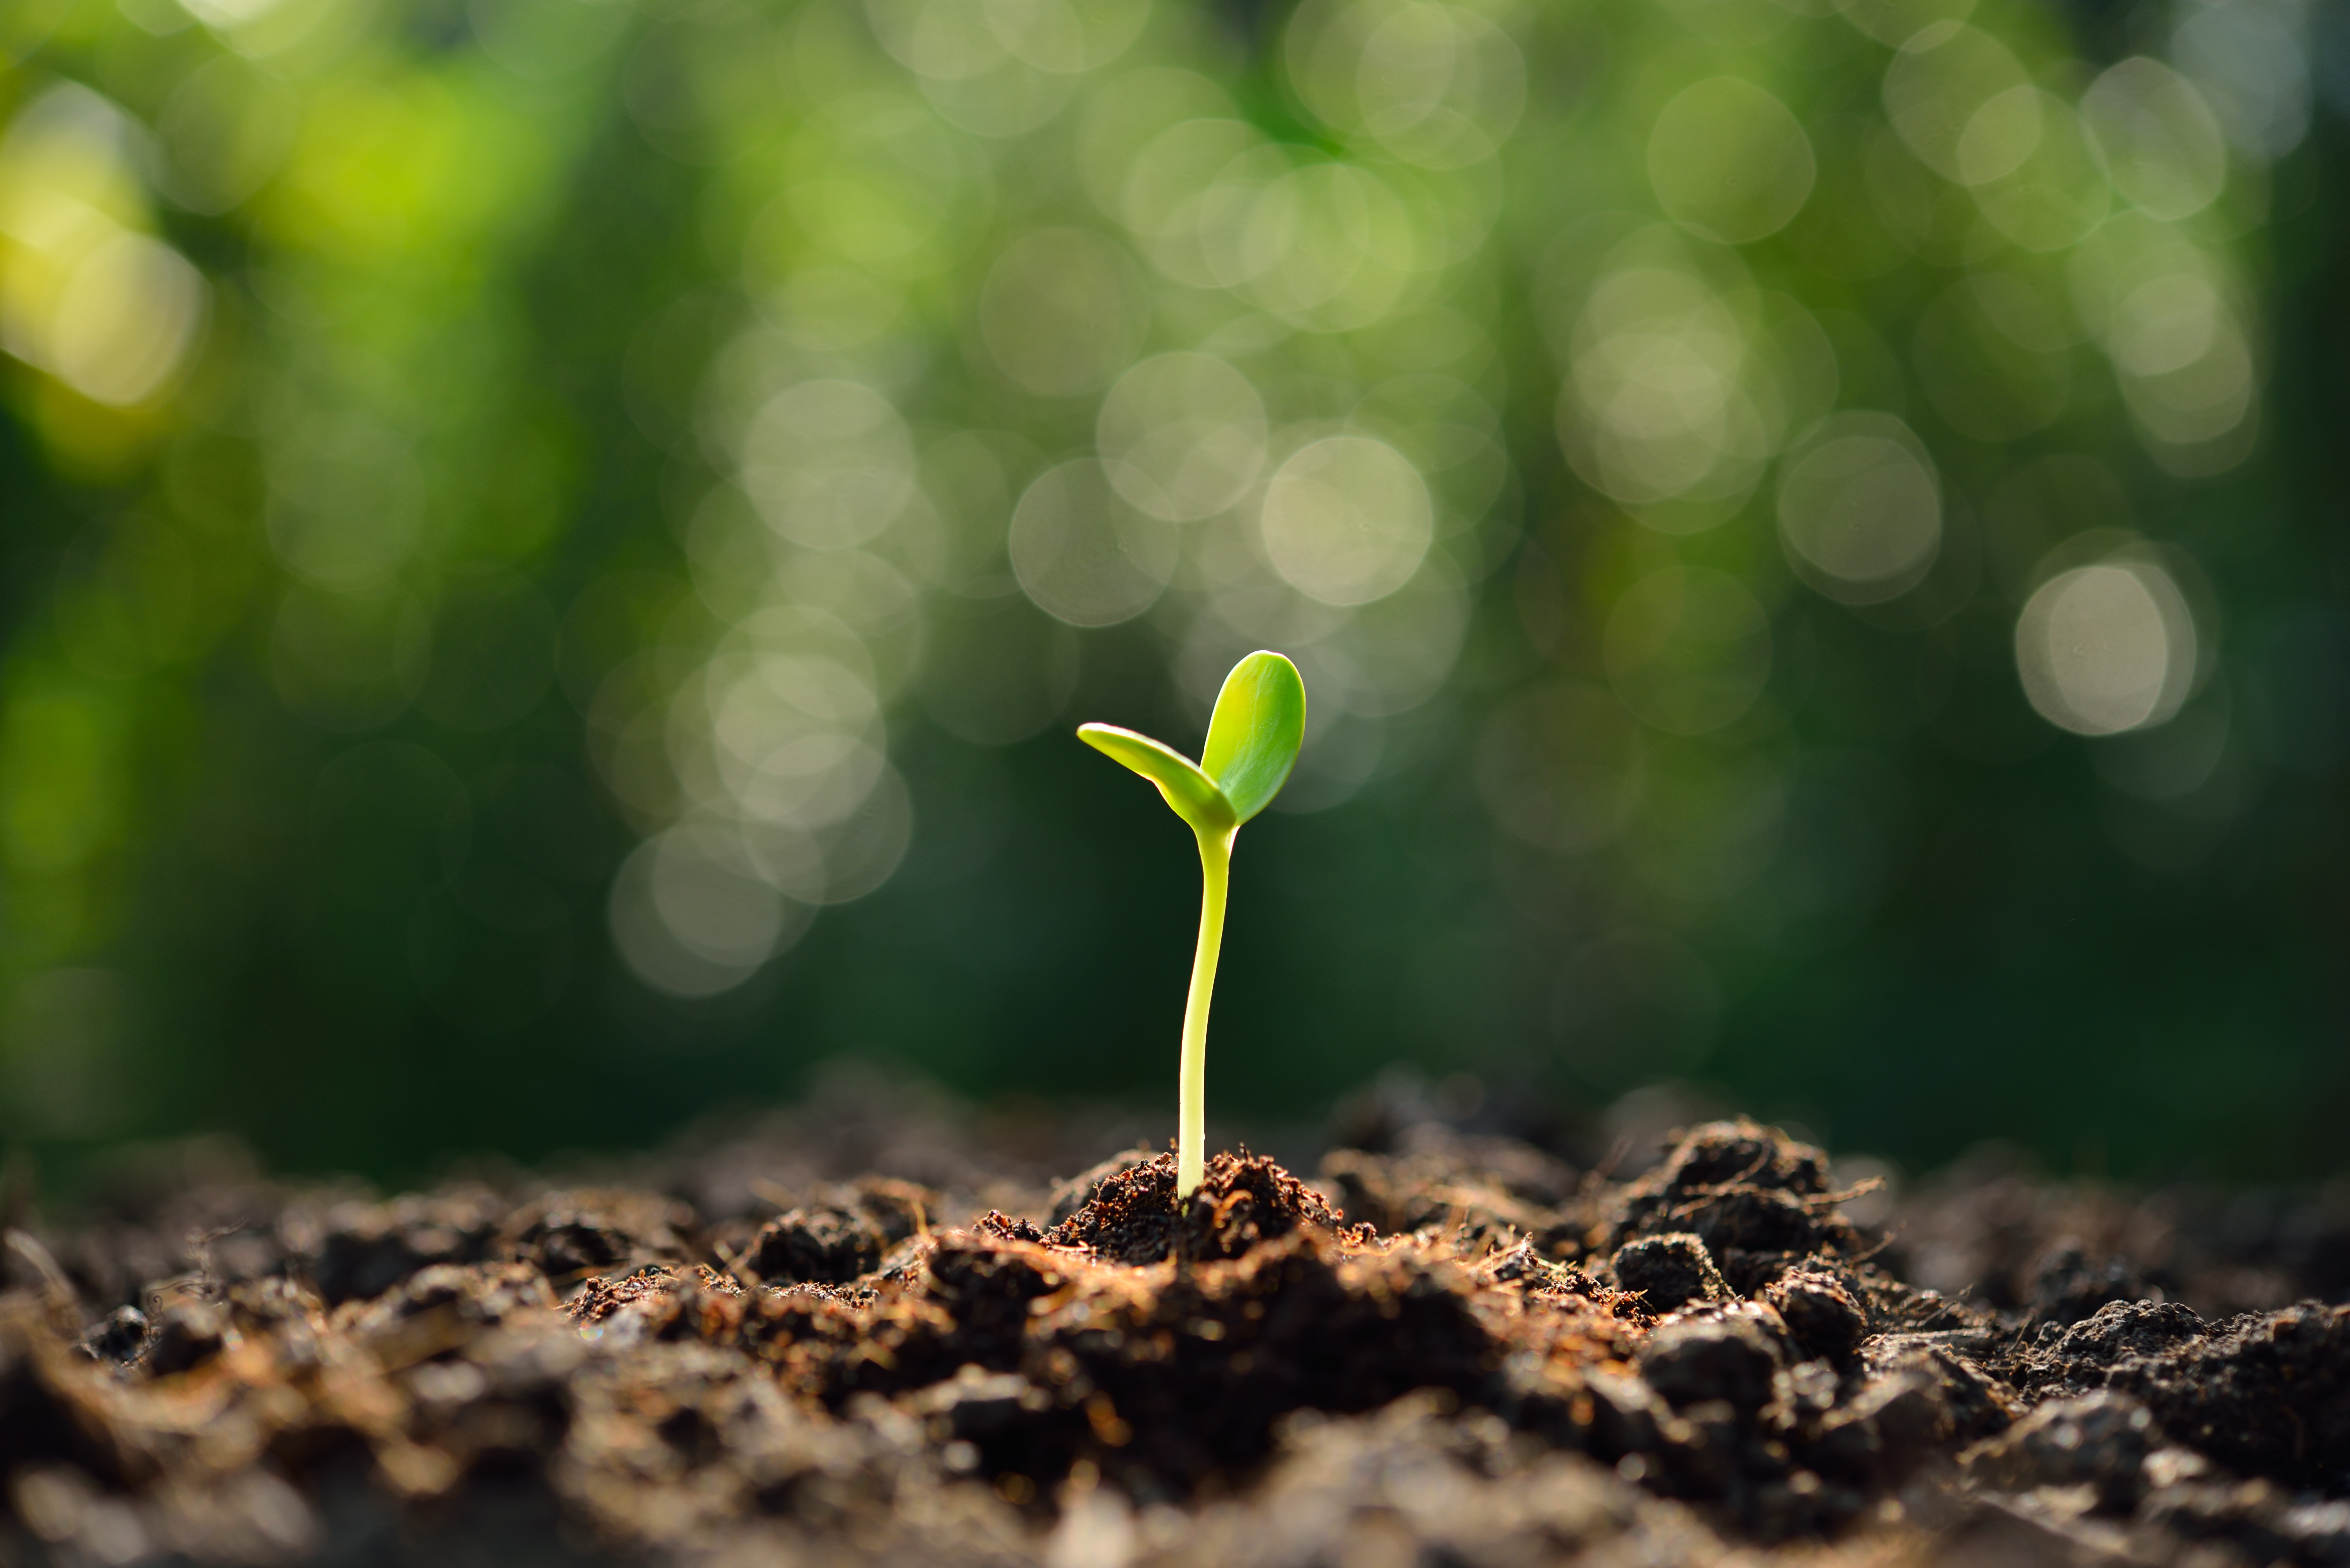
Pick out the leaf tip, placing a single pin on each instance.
(1258, 727)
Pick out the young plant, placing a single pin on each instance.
(1253, 740)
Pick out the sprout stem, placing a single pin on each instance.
(1191, 1105)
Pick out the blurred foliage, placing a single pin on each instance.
(553, 548)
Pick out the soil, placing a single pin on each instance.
(1440, 1348)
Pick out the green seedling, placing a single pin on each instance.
(1253, 740)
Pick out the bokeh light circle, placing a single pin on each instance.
(1183, 436)
(2162, 145)
(828, 464)
(1727, 157)
(691, 916)
(1435, 85)
(1655, 411)
(1082, 554)
(2106, 648)
(1861, 506)
(1945, 93)
(1439, 85)
(793, 733)
(1346, 520)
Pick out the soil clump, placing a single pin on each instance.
(1456, 1349)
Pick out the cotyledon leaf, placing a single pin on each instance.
(1253, 740)
(1192, 794)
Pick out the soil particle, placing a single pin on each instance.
(1413, 1482)
(2068, 1285)
(1730, 1354)
(1094, 1375)
(822, 1245)
(468, 1293)
(1822, 1312)
(121, 1338)
(649, 1300)
(354, 1251)
(1753, 1197)
(2260, 1521)
(1973, 1404)
(1876, 1436)
(2100, 1441)
(569, 1235)
(1068, 1197)
(188, 1334)
(1668, 1271)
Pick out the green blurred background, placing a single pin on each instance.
(552, 548)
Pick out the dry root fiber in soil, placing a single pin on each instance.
(1456, 1352)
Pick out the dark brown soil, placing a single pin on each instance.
(1450, 1350)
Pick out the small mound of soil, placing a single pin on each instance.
(1757, 1200)
(1132, 1215)
(1478, 1355)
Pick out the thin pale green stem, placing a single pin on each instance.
(1192, 1103)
